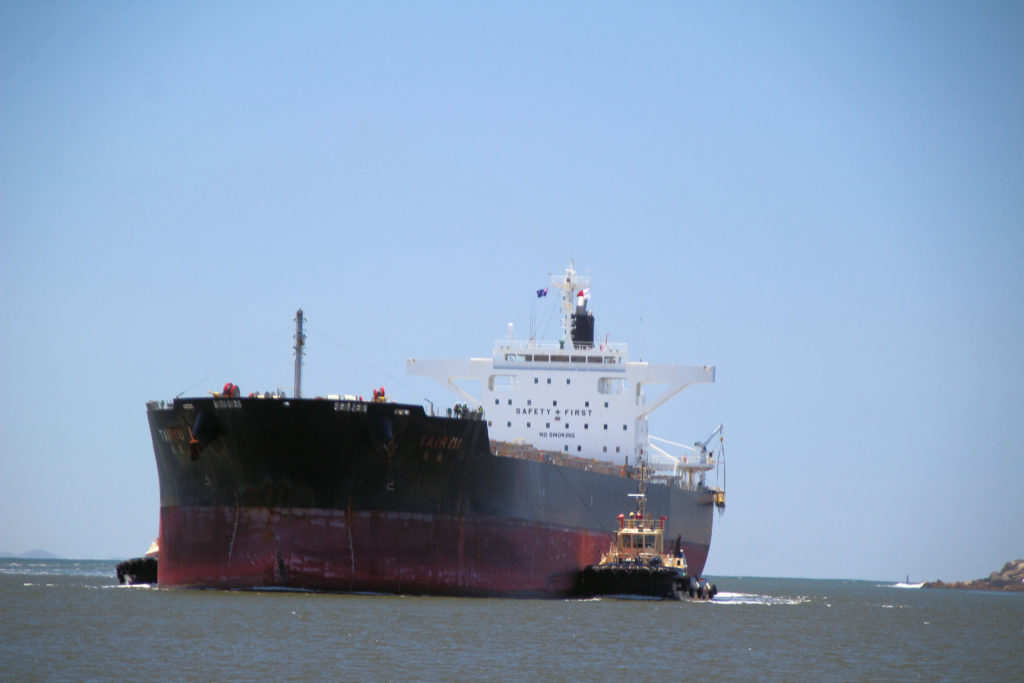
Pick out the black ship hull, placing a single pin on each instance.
(358, 496)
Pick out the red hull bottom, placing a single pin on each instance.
(216, 547)
(334, 550)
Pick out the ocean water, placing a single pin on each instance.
(62, 619)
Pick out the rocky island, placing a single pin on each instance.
(1009, 578)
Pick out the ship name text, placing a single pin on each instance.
(450, 443)
(227, 403)
(171, 434)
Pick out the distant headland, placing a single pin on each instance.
(37, 554)
(1009, 578)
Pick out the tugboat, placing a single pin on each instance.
(140, 570)
(637, 564)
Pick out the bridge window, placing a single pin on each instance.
(611, 385)
(503, 382)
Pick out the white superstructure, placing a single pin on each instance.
(575, 396)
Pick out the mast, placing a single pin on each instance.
(571, 286)
(300, 343)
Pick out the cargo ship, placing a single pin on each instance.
(511, 492)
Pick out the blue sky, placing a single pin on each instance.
(824, 201)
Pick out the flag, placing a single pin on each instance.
(542, 292)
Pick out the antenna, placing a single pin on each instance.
(300, 343)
